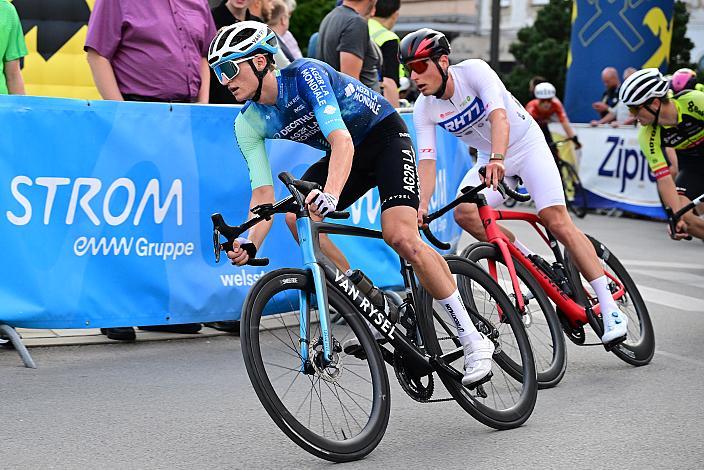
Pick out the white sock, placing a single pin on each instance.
(606, 300)
(522, 248)
(456, 310)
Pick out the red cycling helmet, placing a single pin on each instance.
(425, 44)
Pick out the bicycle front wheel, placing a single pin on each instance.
(508, 399)
(639, 347)
(539, 318)
(337, 411)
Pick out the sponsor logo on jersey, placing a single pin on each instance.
(329, 109)
(404, 134)
(299, 108)
(349, 89)
(316, 84)
(299, 129)
(293, 101)
(365, 96)
(466, 118)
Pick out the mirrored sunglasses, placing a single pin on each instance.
(418, 66)
(226, 71)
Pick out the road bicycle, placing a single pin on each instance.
(336, 405)
(534, 282)
(575, 194)
(674, 217)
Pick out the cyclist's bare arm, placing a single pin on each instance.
(499, 144)
(568, 128)
(342, 152)
(426, 174)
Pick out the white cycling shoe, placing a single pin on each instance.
(615, 326)
(477, 360)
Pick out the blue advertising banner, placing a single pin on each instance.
(613, 33)
(106, 207)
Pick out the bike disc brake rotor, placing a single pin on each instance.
(419, 388)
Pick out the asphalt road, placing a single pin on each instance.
(189, 404)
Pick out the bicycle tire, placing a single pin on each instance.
(577, 203)
(506, 370)
(256, 339)
(637, 353)
(551, 364)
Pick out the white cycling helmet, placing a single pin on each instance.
(239, 40)
(544, 91)
(642, 86)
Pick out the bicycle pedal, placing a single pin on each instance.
(481, 381)
(612, 344)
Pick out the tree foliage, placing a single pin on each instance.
(542, 48)
(680, 46)
(306, 19)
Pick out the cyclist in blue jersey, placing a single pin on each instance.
(367, 145)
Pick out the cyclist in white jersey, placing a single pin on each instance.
(470, 101)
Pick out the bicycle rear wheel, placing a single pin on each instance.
(508, 399)
(338, 412)
(540, 320)
(575, 194)
(639, 347)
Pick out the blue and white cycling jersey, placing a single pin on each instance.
(313, 101)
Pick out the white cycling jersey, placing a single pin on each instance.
(478, 91)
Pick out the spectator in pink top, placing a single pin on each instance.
(150, 50)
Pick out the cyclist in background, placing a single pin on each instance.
(470, 101)
(544, 108)
(685, 79)
(674, 121)
(367, 144)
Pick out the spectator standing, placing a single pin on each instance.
(129, 41)
(288, 38)
(620, 113)
(128, 44)
(609, 99)
(344, 43)
(12, 49)
(278, 22)
(227, 13)
(262, 9)
(380, 26)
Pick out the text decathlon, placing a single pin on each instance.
(118, 203)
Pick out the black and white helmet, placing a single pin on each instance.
(544, 91)
(242, 39)
(642, 86)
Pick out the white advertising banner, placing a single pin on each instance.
(612, 168)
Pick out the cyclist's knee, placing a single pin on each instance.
(291, 222)
(407, 243)
(467, 217)
(557, 220)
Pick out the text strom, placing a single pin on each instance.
(85, 195)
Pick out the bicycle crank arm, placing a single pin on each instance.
(441, 367)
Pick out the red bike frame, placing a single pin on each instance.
(575, 313)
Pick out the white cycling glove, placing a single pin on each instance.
(322, 203)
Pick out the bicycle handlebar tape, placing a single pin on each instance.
(432, 239)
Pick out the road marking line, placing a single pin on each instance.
(669, 299)
(680, 358)
(662, 264)
(678, 277)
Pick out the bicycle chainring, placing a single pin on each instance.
(419, 388)
(576, 335)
